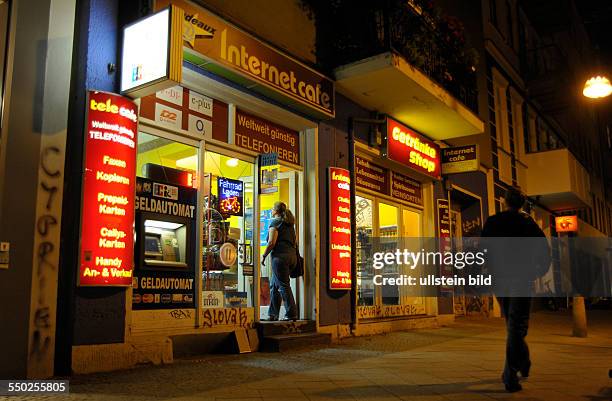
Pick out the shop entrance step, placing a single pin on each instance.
(286, 342)
(281, 336)
(282, 327)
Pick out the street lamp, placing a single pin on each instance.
(597, 87)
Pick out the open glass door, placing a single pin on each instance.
(288, 192)
(227, 252)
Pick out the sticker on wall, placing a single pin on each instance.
(235, 299)
(200, 126)
(200, 103)
(212, 299)
(168, 116)
(173, 95)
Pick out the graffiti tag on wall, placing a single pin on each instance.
(214, 317)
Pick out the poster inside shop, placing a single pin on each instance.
(166, 246)
(268, 173)
(107, 219)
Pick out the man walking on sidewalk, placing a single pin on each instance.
(513, 222)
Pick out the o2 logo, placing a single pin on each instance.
(200, 126)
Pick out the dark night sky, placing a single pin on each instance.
(597, 16)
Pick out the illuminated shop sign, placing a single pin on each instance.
(460, 159)
(566, 224)
(412, 149)
(152, 53)
(231, 194)
(107, 220)
(371, 176)
(406, 189)
(262, 136)
(210, 38)
(340, 276)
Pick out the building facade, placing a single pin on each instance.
(388, 94)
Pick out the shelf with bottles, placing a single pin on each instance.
(388, 237)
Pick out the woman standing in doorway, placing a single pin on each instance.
(282, 245)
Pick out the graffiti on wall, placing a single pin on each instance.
(370, 312)
(46, 255)
(215, 317)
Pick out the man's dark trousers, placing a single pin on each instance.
(516, 312)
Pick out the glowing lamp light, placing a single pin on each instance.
(233, 162)
(597, 87)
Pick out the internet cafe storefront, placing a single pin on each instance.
(213, 158)
(394, 202)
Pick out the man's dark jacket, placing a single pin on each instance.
(517, 248)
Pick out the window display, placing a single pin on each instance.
(227, 248)
(385, 227)
(365, 271)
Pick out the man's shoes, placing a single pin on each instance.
(511, 383)
(513, 387)
(525, 370)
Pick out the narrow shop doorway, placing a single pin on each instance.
(289, 189)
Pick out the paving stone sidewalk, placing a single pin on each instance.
(460, 362)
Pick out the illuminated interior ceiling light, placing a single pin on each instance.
(233, 162)
(188, 163)
(597, 87)
(162, 224)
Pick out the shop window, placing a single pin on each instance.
(365, 271)
(228, 257)
(166, 160)
(385, 227)
(166, 229)
(388, 229)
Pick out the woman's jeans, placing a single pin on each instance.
(280, 287)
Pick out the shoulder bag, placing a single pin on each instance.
(298, 269)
